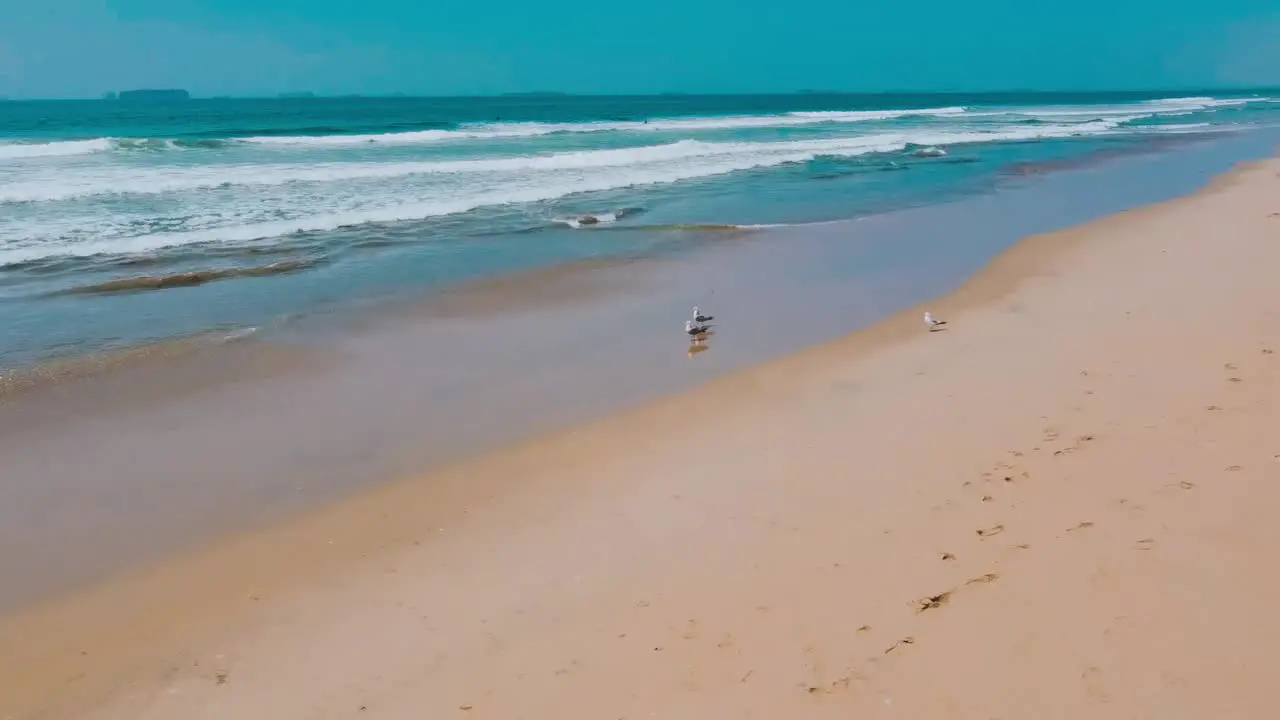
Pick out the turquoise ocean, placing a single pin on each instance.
(129, 223)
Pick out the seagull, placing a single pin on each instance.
(700, 318)
(932, 323)
(693, 330)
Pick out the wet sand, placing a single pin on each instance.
(1062, 506)
(178, 451)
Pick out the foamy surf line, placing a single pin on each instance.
(691, 160)
(1138, 110)
(481, 131)
(57, 184)
(602, 223)
(708, 160)
(517, 130)
(17, 151)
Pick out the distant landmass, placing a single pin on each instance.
(296, 95)
(539, 94)
(153, 96)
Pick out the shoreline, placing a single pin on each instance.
(173, 456)
(76, 357)
(131, 293)
(337, 560)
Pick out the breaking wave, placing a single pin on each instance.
(519, 130)
(485, 131)
(328, 204)
(57, 185)
(15, 151)
(226, 193)
(322, 137)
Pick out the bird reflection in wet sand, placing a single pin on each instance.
(698, 333)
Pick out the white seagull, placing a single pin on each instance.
(933, 323)
(693, 330)
(700, 318)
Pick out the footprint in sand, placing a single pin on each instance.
(936, 601)
(983, 579)
(835, 685)
(1080, 441)
(904, 641)
(1091, 676)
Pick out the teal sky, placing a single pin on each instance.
(81, 48)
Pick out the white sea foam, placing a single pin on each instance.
(1133, 110)
(1184, 128)
(59, 184)
(415, 137)
(18, 151)
(1202, 102)
(490, 131)
(687, 124)
(446, 203)
(870, 115)
(517, 130)
(109, 203)
(247, 207)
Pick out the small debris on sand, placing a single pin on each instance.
(934, 601)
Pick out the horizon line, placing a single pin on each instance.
(549, 94)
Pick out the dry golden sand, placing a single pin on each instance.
(1065, 506)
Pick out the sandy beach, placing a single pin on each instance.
(1062, 506)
